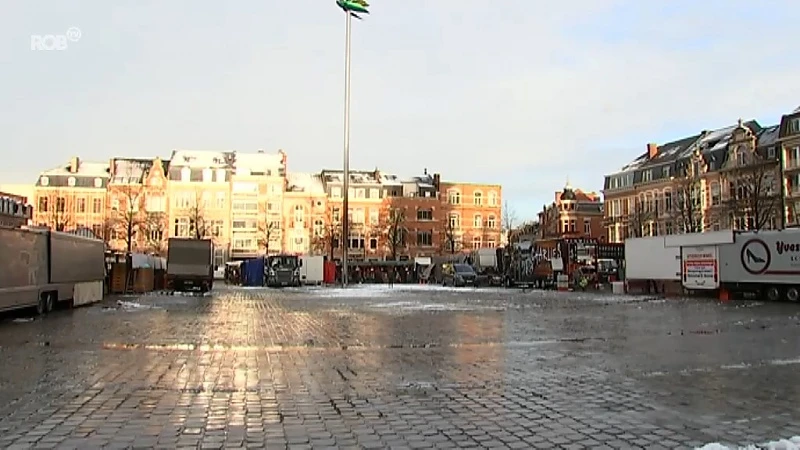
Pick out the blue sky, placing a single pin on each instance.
(524, 95)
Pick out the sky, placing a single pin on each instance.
(523, 93)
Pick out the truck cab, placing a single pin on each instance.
(282, 270)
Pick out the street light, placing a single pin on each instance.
(351, 9)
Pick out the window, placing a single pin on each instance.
(454, 197)
(587, 226)
(98, 182)
(71, 181)
(356, 242)
(477, 242)
(221, 198)
(220, 175)
(477, 198)
(565, 226)
(374, 216)
(455, 221)
(80, 206)
(667, 201)
(373, 243)
(647, 175)
(358, 216)
(665, 172)
(186, 174)
(374, 193)
(299, 214)
(336, 215)
(424, 239)
(208, 175)
(245, 206)
(181, 227)
(492, 198)
(43, 204)
(477, 221)
(715, 194)
(206, 196)
(572, 226)
(319, 228)
(740, 157)
(491, 222)
(97, 230)
(336, 192)
(770, 152)
(424, 214)
(61, 204)
(44, 181)
(361, 193)
(794, 126)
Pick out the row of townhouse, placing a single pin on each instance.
(249, 204)
(744, 177)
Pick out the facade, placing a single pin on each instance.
(369, 192)
(137, 218)
(573, 214)
(473, 215)
(422, 214)
(789, 145)
(720, 179)
(14, 210)
(72, 197)
(256, 193)
(199, 191)
(306, 221)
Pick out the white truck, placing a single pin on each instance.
(312, 269)
(40, 268)
(765, 263)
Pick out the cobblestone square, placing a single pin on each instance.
(407, 367)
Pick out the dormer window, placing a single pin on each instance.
(71, 181)
(647, 175)
(44, 181)
(186, 174)
(98, 182)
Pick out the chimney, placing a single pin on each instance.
(425, 171)
(74, 164)
(437, 180)
(652, 150)
(377, 174)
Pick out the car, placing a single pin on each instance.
(459, 275)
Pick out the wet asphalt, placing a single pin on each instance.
(408, 367)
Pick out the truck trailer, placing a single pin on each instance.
(761, 263)
(41, 268)
(190, 264)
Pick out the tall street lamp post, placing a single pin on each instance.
(352, 9)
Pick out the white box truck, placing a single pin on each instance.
(312, 269)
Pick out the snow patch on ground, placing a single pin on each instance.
(384, 290)
(783, 444)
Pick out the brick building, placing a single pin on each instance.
(473, 215)
(720, 179)
(423, 214)
(574, 213)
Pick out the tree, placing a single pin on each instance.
(125, 213)
(268, 228)
(395, 231)
(639, 216)
(449, 236)
(753, 197)
(153, 228)
(59, 216)
(326, 238)
(686, 209)
(509, 219)
(198, 226)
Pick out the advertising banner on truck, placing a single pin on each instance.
(700, 267)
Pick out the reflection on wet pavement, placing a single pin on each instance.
(418, 367)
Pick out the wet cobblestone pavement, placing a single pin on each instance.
(401, 368)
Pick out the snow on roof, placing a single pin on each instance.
(769, 136)
(362, 177)
(259, 162)
(305, 182)
(200, 159)
(85, 169)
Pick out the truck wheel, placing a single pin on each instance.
(773, 294)
(792, 294)
(50, 303)
(42, 305)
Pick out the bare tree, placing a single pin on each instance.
(639, 216)
(449, 238)
(268, 230)
(59, 214)
(686, 209)
(753, 195)
(198, 226)
(154, 228)
(509, 219)
(394, 230)
(326, 239)
(125, 213)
